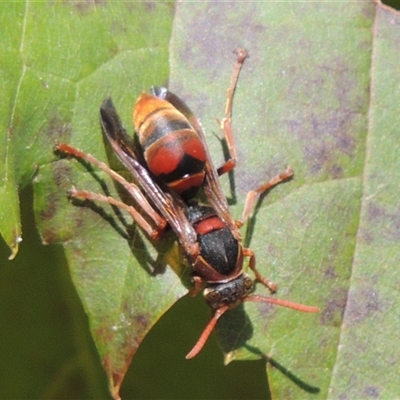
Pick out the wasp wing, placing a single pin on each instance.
(168, 204)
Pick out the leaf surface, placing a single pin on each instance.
(71, 56)
(319, 92)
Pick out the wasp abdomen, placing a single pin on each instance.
(218, 247)
(172, 149)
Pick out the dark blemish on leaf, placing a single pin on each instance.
(330, 272)
(344, 79)
(57, 129)
(10, 130)
(45, 84)
(363, 303)
(61, 174)
(118, 377)
(106, 363)
(104, 334)
(334, 252)
(84, 6)
(116, 374)
(336, 171)
(330, 133)
(332, 315)
(372, 392)
(368, 10)
(139, 325)
(49, 236)
(49, 212)
(206, 43)
(375, 212)
(139, 322)
(150, 5)
(325, 141)
(383, 223)
(79, 220)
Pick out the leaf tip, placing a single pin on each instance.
(14, 246)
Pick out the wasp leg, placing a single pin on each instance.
(225, 123)
(153, 233)
(252, 264)
(253, 195)
(197, 287)
(158, 221)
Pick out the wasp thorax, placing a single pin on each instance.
(229, 293)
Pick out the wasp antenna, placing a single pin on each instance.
(283, 303)
(206, 333)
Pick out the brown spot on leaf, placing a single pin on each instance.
(104, 334)
(330, 134)
(368, 10)
(372, 392)
(49, 236)
(84, 6)
(49, 212)
(363, 303)
(57, 129)
(61, 173)
(325, 140)
(382, 224)
(330, 272)
(197, 52)
(333, 312)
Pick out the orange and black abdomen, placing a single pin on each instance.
(172, 149)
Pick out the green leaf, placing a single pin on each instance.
(318, 92)
(59, 62)
(11, 68)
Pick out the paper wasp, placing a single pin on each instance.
(172, 164)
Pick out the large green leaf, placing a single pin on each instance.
(61, 60)
(318, 93)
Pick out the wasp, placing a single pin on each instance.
(169, 163)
